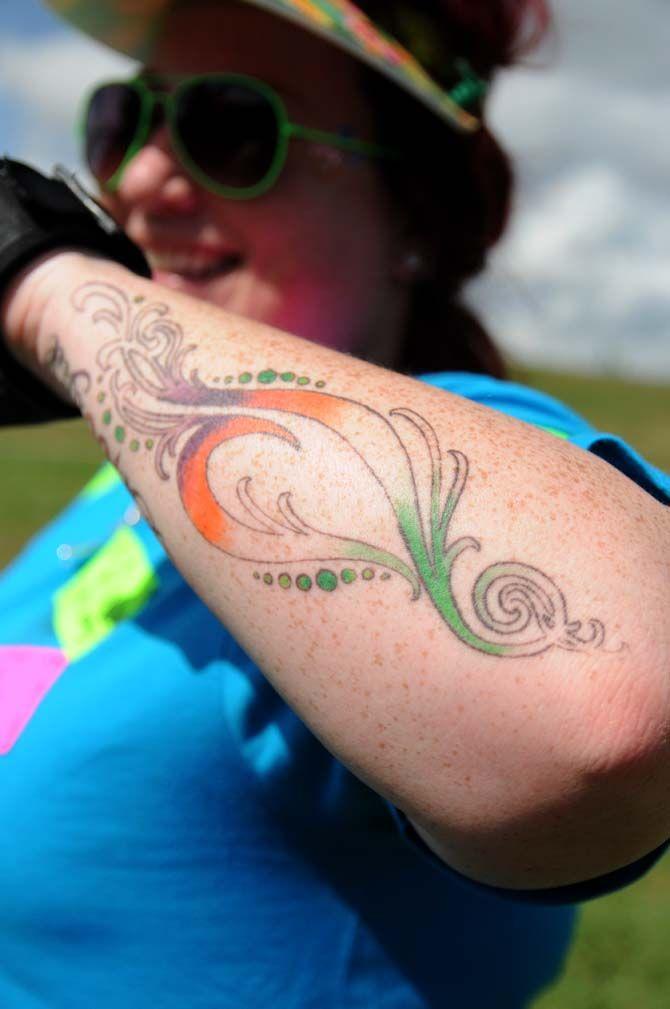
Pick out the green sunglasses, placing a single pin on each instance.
(229, 131)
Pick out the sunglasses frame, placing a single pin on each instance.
(286, 131)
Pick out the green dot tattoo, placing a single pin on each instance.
(303, 380)
(267, 376)
(268, 579)
(368, 574)
(285, 581)
(245, 378)
(304, 583)
(287, 376)
(107, 417)
(327, 580)
(348, 576)
(134, 445)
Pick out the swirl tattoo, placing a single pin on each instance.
(517, 610)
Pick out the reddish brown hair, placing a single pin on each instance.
(453, 190)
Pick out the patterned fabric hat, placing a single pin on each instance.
(129, 26)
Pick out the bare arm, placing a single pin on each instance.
(469, 613)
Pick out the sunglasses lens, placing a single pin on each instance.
(112, 119)
(229, 131)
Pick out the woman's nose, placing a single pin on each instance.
(155, 179)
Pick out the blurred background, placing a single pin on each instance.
(582, 280)
(578, 295)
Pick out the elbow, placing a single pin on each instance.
(626, 770)
(602, 803)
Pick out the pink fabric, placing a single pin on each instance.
(26, 676)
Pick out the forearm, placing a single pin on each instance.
(470, 613)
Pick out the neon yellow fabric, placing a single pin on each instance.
(113, 586)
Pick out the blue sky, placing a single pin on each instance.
(583, 277)
(24, 19)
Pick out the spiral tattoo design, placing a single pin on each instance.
(151, 401)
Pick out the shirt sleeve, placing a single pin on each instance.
(547, 413)
(574, 893)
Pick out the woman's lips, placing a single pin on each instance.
(191, 265)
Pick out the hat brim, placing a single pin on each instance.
(130, 27)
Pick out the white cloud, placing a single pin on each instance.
(583, 278)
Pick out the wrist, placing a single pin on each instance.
(24, 301)
(30, 310)
(34, 316)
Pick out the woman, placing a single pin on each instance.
(423, 708)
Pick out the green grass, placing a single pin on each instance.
(43, 467)
(639, 413)
(620, 959)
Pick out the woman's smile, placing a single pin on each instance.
(194, 265)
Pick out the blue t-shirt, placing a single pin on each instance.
(174, 836)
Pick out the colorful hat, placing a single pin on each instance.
(130, 25)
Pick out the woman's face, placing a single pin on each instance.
(316, 254)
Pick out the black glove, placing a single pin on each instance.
(38, 214)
